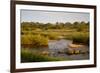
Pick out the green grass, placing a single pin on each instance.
(81, 38)
(78, 37)
(29, 56)
(37, 36)
(41, 38)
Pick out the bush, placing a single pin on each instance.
(34, 40)
(52, 36)
(81, 38)
(26, 39)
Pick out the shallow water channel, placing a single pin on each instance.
(59, 48)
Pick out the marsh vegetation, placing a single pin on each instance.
(35, 39)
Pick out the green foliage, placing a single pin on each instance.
(58, 25)
(52, 36)
(26, 39)
(81, 38)
(35, 40)
(29, 56)
(37, 34)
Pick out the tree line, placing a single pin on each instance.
(80, 26)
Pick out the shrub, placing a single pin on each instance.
(81, 38)
(34, 40)
(52, 36)
(26, 39)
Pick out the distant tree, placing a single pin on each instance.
(75, 25)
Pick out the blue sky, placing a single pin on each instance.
(53, 16)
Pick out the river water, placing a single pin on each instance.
(58, 48)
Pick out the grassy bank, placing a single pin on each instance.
(29, 56)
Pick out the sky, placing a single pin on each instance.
(53, 16)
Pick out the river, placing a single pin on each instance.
(58, 48)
